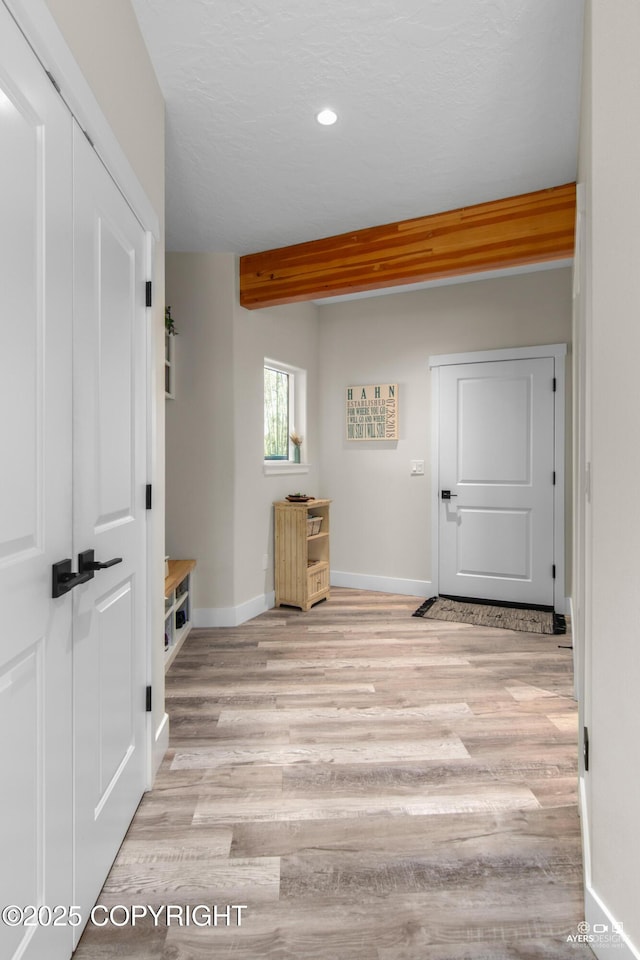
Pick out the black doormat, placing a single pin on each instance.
(493, 615)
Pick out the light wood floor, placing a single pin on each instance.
(372, 786)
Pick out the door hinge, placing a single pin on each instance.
(555, 384)
(149, 293)
(554, 478)
(149, 497)
(553, 571)
(148, 700)
(54, 82)
(585, 747)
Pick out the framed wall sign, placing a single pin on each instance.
(372, 412)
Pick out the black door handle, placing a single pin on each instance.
(63, 579)
(447, 495)
(87, 564)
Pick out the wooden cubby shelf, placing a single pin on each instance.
(178, 594)
(301, 554)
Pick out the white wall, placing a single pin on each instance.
(610, 522)
(381, 524)
(199, 422)
(218, 497)
(289, 335)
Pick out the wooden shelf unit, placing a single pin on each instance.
(178, 594)
(301, 558)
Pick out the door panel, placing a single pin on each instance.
(21, 709)
(501, 455)
(35, 496)
(109, 518)
(112, 350)
(21, 225)
(494, 543)
(496, 534)
(115, 710)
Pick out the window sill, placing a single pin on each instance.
(284, 467)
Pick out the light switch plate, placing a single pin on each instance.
(417, 468)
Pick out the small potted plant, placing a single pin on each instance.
(296, 440)
(169, 325)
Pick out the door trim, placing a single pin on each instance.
(557, 352)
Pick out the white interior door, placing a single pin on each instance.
(35, 498)
(109, 518)
(497, 461)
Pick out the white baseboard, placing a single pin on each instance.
(206, 617)
(366, 581)
(583, 811)
(233, 616)
(160, 745)
(605, 933)
(596, 914)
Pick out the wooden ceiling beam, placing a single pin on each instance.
(530, 228)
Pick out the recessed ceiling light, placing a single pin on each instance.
(326, 117)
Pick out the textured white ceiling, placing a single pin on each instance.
(441, 104)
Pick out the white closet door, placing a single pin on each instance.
(35, 498)
(109, 439)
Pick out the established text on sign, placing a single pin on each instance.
(372, 412)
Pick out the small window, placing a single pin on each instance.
(284, 411)
(277, 406)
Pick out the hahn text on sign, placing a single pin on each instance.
(372, 412)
